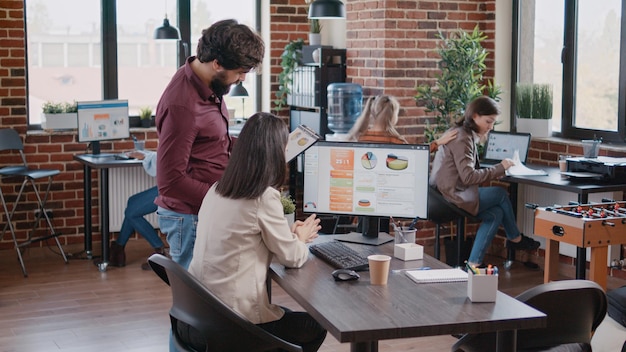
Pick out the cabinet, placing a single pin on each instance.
(308, 99)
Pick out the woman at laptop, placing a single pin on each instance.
(242, 228)
(456, 174)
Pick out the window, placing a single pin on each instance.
(65, 49)
(576, 46)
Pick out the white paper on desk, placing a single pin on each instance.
(520, 169)
(437, 275)
(300, 139)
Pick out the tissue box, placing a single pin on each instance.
(483, 287)
(408, 251)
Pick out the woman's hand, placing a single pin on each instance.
(446, 137)
(507, 163)
(307, 230)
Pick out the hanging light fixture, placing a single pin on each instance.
(327, 9)
(240, 91)
(166, 31)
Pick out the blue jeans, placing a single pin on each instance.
(494, 209)
(180, 231)
(138, 205)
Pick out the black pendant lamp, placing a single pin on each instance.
(166, 31)
(327, 9)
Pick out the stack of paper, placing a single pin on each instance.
(520, 169)
(437, 275)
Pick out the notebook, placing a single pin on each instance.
(437, 275)
(502, 145)
(300, 139)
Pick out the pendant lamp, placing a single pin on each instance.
(327, 9)
(166, 31)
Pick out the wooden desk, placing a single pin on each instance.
(102, 162)
(555, 181)
(362, 314)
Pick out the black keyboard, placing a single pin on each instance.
(340, 256)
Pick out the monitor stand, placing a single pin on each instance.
(371, 234)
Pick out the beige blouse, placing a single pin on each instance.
(235, 243)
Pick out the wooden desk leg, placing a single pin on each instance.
(506, 341)
(370, 346)
(551, 271)
(597, 265)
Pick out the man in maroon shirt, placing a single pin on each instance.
(192, 125)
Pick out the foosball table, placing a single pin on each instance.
(594, 226)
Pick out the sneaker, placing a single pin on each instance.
(526, 243)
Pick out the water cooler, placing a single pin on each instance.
(345, 102)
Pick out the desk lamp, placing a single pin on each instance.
(240, 91)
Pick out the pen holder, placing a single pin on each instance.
(482, 287)
(591, 147)
(408, 251)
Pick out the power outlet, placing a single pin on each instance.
(48, 212)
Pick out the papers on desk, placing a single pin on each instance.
(520, 169)
(437, 275)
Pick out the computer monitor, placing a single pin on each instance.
(102, 120)
(364, 179)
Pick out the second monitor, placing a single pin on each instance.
(364, 179)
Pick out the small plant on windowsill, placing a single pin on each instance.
(145, 115)
(533, 107)
(59, 116)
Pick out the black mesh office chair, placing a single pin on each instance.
(10, 141)
(441, 211)
(574, 308)
(222, 328)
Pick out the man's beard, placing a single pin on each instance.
(219, 86)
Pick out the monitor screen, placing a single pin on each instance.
(366, 179)
(102, 120)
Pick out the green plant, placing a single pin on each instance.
(462, 66)
(290, 58)
(145, 113)
(289, 205)
(533, 101)
(315, 26)
(50, 107)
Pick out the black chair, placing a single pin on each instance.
(441, 211)
(222, 328)
(10, 141)
(574, 309)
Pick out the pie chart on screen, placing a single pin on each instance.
(368, 161)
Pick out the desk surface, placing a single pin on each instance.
(554, 180)
(105, 161)
(355, 311)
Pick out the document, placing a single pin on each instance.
(437, 275)
(300, 139)
(520, 169)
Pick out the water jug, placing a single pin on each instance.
(345, 102)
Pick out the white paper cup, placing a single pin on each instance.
(379, 268)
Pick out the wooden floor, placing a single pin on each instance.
(73, 307)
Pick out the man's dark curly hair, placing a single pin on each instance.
(233, 45)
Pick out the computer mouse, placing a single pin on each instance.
(345, 275)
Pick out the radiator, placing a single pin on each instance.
(546, 197)
(123, 183)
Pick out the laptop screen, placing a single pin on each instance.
(501, 145)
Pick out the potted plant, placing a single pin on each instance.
(462, 67)
(533, 107)
(315, 29)
(290, 58)
(289, 208)
(59, 116)
(145, 115)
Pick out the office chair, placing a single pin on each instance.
(10, 141)
(222, 328)
(574, 309)
(441, 211)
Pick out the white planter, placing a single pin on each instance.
(315, 39)
(536, 127)
(59, 121)
(291, 218)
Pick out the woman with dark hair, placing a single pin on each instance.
(456, 173)
(242, 228)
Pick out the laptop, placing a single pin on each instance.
(502, 145)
